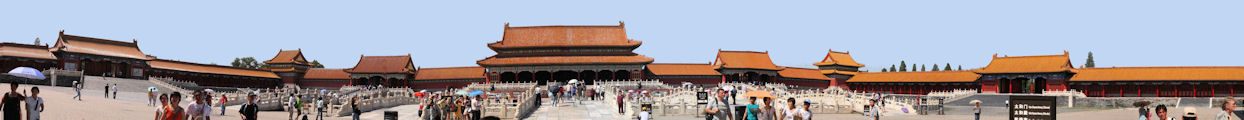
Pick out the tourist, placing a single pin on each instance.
(250, 110)
(150, 98)
(620, 103)
(976, 109)
(1161, 111)
(34, 104)
(198, 110)
(1189, 113)
(752, 109)
(290, 106)
(475, 108)
(106, 90)
(806, 111)
(354, 108)
(718, 109)
(1144, 113)
(114, 91)
(163, 105)
(173, 111)
(767, 112)
(319, 108)
(790, 112)
(644, 114)
(223, 100)
(1228, 106)
(874, 112)
(11, 103)
(77, 90)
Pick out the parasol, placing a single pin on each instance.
(759, 94)
(27, 72)
(1141, 103)
(477, 92)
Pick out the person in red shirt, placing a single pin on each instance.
(223, 99)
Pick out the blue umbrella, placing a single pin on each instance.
(477, 92)
(27, 72)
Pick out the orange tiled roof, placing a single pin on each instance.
(96, 46)
(564, 36)
(288, 56)
(473, 72)
(26, 51)
(932, 76)
(211, 69)
(383, 64)
(1160, 74)
(321, 73)
(280, 69)
(802, 73)
(744, 60)
(839, 58)
(546, 60)
(1028, 64)
(838, 72)
(682, 69)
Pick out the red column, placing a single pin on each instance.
(1138, 93)
(1157, 91)
(1194, 91)
(1212, 90)
(1120, 91)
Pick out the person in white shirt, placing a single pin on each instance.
(1228, 105)
(644, 114)
(198, 110)
(34, 104)
(319, 108)
(805, 112)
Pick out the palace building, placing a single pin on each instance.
(543, 54)
(560, 53)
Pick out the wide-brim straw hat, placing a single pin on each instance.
(975, 102)
(1189, 112)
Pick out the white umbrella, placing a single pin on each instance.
(209, 91)
(727, 88)
(27, 72)
(572, 81)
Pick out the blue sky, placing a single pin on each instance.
(795, 33)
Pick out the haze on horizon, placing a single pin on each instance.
(795, 33)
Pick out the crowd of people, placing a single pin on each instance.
(170, 107)
(1161, 112)
(719, 108)
(452, 107)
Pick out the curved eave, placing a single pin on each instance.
(838, 72)
(835, 63)
(499, 46)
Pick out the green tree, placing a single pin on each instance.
(922, 68)
(913, 67)
(960, 67)
(37, 42)
(947, 67)
(1089, 62)
(902, 66)
(247, 62)
(316, 64)
(934, 67)
(883, 70)
(892, 68)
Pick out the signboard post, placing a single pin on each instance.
(1032, 108)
